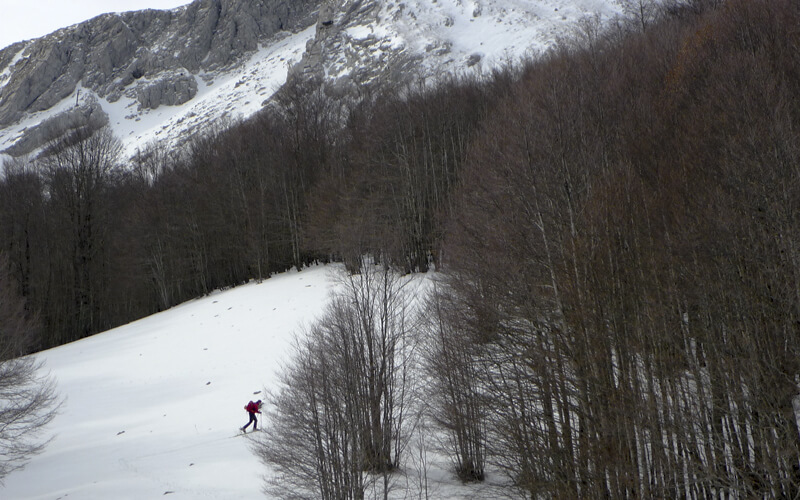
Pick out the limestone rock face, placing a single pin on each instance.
(110, 52)
(349, 52)
(332, 38)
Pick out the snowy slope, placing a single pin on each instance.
(404, 42)
(429, 37)
(226, 96)
(153, 407)
(491, 32)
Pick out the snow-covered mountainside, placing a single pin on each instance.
(165, 75)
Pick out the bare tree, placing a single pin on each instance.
(641, 13)
(28, 399)
(456, 403)
(631, 263)
(338, 421)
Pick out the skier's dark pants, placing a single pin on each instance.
(253, 420)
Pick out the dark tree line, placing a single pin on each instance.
(95, 241)
(625, 262)
(389, 191)
(616, 223)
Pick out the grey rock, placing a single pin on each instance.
(366, 61)
(170, 91)
(159, 58)
(89, 114)
(110, 52)
(474, 59)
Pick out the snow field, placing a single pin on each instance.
(154, 406)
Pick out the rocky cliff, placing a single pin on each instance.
(153, 56)
(162, 75)
(111, 53)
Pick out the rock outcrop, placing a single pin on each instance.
(354, 57)
(109, 53)
(89, 114)
(171, 91)
(375, 43)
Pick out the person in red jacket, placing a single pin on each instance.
(252, 409)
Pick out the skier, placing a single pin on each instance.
(252, 409)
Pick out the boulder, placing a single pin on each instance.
(169, 90)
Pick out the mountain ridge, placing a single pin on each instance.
(164, 75)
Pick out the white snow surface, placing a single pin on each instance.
(154, 407)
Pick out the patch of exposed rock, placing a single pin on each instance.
(169, 90)
(89, 114)
(356, 57)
